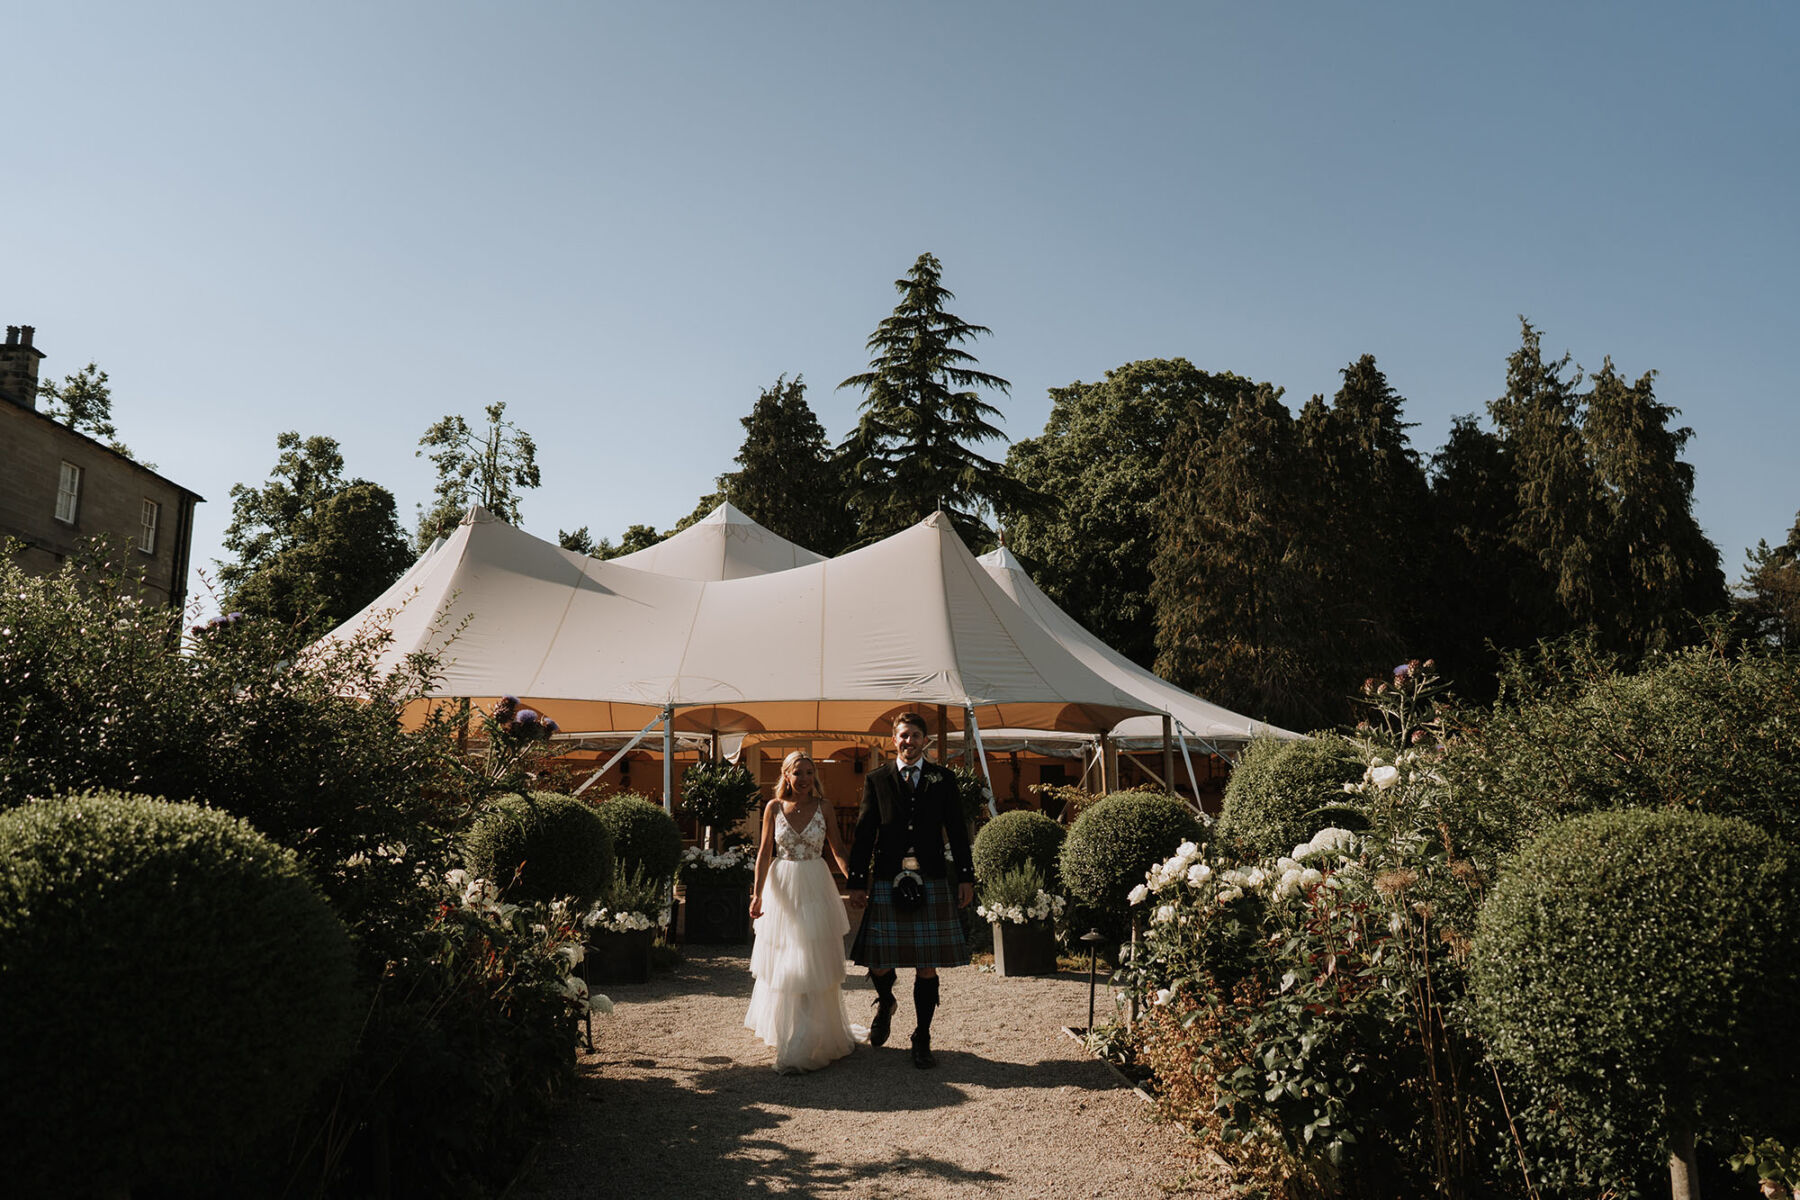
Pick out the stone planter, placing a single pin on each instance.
(1028, 949)
(618, 957)
(715, 914)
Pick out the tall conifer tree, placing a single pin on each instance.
(922, 414)
(787, 479)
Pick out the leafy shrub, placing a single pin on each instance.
(1116, 841)
(718, 794)
(1697, 730)
(1011, 839)
(646, 841)
(1639, 967)
(1277, 789)
(540, 847)
(972, 793)
(173, 989)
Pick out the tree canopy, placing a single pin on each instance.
(912, 450)
(83, 402)
(787, 479)
(1770, 601)
(488, 467)
(312, 547)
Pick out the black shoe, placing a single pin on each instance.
(921, 1043)
(884, 1019)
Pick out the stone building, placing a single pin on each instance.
(60, 488)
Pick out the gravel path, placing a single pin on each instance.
(679, 1100)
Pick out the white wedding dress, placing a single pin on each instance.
(797, 1005)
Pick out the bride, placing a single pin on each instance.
(797, 1005)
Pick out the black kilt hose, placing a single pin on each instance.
(892, 825)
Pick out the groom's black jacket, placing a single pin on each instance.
(890, 822)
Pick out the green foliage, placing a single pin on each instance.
(312, 547)
(911, 452)
(1014, 886)
(1769, 600)
(787, 479)
(473, 1043)
(541, 847)
(1277, 789)
(972, 793)
(1099, 455)
(718, 794)
(635, 538)
(1114, 842)
(83, 402)
(1700, 731)
(488, 467)
(1639, 968)
(147, 951)
(646, 841)
(1014, 838)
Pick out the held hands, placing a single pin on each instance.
(965, 895)
(859, 898)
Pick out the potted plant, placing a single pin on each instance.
(718, 794)
(621, 928)
(716, 894)
(1024, 918)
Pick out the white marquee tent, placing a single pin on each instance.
(724, 544)
(838, 645)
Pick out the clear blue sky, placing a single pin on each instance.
(626, 220)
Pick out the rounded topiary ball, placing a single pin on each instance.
(1643, 962)
(646, 841)
(542, 846)
(1277, 789)
(1114, 842)
(173, 989)
(1007, 841)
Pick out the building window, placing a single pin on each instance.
(68, 493)
(147, 527)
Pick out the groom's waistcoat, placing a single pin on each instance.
(891, 823)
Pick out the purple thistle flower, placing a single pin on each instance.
(551, 726)
(527, 716)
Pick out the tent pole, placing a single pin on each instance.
(608, 764)
(1169, 753)
(1188, 759)
(1109, 765)
(974, 729)
(668, 720)
(943, 746)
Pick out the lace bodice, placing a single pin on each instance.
(800, 845)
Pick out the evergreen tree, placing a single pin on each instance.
(1658, 572)
(1770, 604)
(312, 547)
(1373, 514)
(1237, 583)
(635, 538)
(1557, 514)
(1469, 586)
(83, 402)
(488, 468)
(1101, 456)
(787, 479)
(911, 451)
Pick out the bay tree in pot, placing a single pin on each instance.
(719, 795)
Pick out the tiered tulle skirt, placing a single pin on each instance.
(797, 1005)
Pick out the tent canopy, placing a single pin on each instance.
(1219, 727)
(724, 544)
(838, 645)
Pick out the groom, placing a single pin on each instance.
(910, 811)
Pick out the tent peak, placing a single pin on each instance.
(478, 515)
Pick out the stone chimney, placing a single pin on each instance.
(19, 367)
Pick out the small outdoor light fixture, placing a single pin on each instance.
(1093, 939)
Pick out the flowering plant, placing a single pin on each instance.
(1018, 897)
(632, 903)
(731, 865)
(544, 936)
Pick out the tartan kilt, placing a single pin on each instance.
(927, 936)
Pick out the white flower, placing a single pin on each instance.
(600, 1004)
(1138, 894)
(1163, 995)
(572, 952)
(1187, 850)
(1329, 840)
(1164, 914)
(1384, 777)
(575, 988)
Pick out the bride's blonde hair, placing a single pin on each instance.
(782, 788)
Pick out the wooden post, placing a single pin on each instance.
(943, 740)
